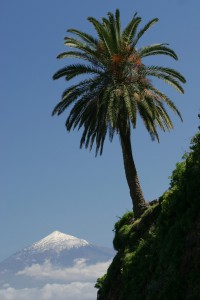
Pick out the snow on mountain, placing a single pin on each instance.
(58, 241)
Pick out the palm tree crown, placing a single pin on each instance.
(118, 86)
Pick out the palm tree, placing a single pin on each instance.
(117, 89)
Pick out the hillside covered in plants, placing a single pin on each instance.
(158, 255)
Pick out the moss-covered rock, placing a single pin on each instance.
(158, 255)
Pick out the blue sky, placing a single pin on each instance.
(47, 182)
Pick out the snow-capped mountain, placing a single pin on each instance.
(58, 248)
(57, 259)
(58, 241)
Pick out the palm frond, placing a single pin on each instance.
(72, 71)
(104, 35)
(74, 43)
(89, 39)
(84, 89)
(83, 56)
(118, 24)
(169, 71)
(167, 100)
(114, 32)
(144, 29)
(111, 114)
(130, 30)
(148, 121)
(129, 106)
(168, 79)
(163, 120)
(157, 49)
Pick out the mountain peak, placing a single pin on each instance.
(58, 241)
(59, 235)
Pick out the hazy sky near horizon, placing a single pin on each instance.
(47, 182)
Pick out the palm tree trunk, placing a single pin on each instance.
(139, 204)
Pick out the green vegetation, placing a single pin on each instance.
(158, 255)
(117, 89)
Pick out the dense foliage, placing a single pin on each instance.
(158, 256)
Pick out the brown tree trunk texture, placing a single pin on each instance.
(139, 204)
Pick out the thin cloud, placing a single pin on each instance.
(80, 271)
(72, 283)
(71, 291)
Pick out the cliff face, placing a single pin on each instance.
(158, 256)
